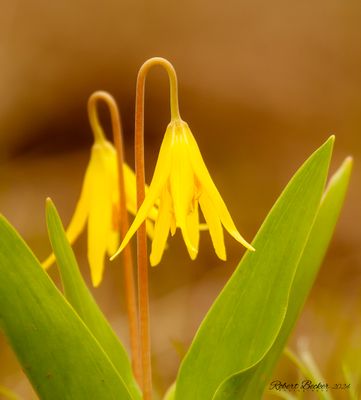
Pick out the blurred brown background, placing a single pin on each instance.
(262, 84)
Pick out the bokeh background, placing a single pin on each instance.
(262, 84)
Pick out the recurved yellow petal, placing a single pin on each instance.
(130, 189)
(161, 173)
(161, 228)
(192, 223)
(214, 225)
(113, 182)
(173, 225)
(208, 185)
(113, 236)
(182, 188)
(100, 215)
(77, 223)
(149, 226)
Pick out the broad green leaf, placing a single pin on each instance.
(250, 384)
(58, 353)
(83, 302)
(245, 319)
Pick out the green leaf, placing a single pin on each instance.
(245, 319)
(83, 302)
(58, 353)
(250, 384)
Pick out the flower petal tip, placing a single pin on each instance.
(192, 251)
(120, 249)
(96, 282)
(153, 262)
(114, 256)
(243, 241)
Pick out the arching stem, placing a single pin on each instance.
(130, 293)
(143, 285)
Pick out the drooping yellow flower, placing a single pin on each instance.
(181, 181)
(98, 204)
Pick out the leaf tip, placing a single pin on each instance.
(348, 162)
(325, 150)
(49, 202)
(330, 141)
(49, 205)
(343, 172)
(4, 220)
(346, 166)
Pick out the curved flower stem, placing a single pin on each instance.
(130, 293)
(97, 129)
(143, 287)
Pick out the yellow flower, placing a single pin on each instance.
(181, 181)
(98, 204)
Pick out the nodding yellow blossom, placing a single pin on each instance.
(181, 181)
(99, 205)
